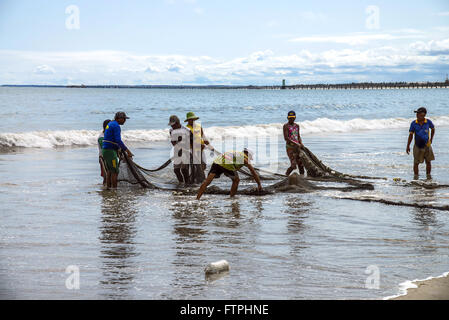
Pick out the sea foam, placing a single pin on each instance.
(411, 284)
(51, 139)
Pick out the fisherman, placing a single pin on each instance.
(293, 143)
(198, 143)
(229, 163)
(422, 150)
(112, 144)
(180, 139)
(100, 151)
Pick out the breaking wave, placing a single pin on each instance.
(52, 139)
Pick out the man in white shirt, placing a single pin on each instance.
(180, 139)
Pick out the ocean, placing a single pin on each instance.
(63, 236)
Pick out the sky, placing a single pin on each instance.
(208, 42)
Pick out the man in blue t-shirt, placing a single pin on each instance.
(424, 131)
(112, 142)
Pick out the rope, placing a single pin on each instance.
(400, 203)
(155, 170)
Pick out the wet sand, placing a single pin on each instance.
(432, 289)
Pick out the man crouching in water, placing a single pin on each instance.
(229, 163)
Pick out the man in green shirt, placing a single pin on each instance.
(229, 163)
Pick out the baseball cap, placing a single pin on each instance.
(121, 115)
(291, 114)
(173, 119)
(421, 109)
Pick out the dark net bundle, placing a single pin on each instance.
(316, 168)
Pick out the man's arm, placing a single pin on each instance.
(206, 141)
(204, 137)
(410, 138)
(118, 140)
(285, 133)
(254, 173)
(174, 139)
(299, 138)
(432, 134)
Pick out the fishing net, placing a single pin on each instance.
(130, 173)
(319, 177)
(163, 177)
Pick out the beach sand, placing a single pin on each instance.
(432, 289)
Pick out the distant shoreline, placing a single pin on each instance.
(343, 86)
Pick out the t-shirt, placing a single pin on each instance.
(422, 137)
(198, 139)
(292, 134)
(112, 137)
(182, 148)
(232, 161)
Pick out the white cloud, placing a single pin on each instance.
(44, 69)
(443, 14)
(260, 55)
(354, 39)
(175, 68)
(432, 47)
(151, 69)
(442, 29)
(264, 66)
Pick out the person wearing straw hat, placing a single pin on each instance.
(423, 130)
(293, 143)
(198, 143)
(228, 164)
(180, 139)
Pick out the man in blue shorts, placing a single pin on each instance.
(424, 131)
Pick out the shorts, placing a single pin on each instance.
(218, 170)
(421, 154)
(180, 166)
(111, 160)
(293, 155)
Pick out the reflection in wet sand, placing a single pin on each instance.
(297, 211)
(189, 243)
(425, 219)
(189, 222)
(117, 233)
